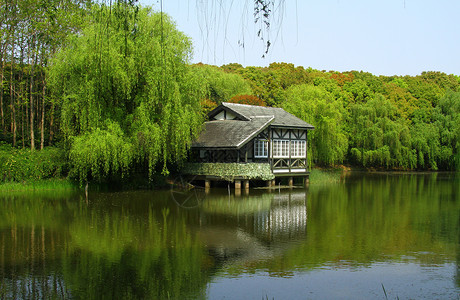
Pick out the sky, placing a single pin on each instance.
(383, 37)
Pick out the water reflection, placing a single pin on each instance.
(242, 231)
(145, 245)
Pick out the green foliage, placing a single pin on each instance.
(447, 116)
(362, 119)
(127, 93)
(328, 142)
(398, 81)
(359, 90)
(221, 86)
(378, 137)
(20, 165)
(229, 171)
(101, 153)
(318, 176)
(50, 185)
(425, 141)
(270, 84)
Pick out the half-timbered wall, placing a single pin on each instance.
(242, 155)
(288, 150)
(261, 141)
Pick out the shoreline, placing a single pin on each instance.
(318, 175)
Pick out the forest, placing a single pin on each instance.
(106, 92)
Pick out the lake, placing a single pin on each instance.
(383, 236)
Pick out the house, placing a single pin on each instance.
(252, 138)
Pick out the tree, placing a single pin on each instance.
(221, 86)
(127, 93)
(247, 99)
(317, 106)
(447, 116)
(378, 137)
(31, 31)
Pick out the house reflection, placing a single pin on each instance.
(247, 229)
(286, 219)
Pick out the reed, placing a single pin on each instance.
(321, 176)
(38, 185)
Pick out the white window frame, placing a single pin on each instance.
(298, 148)
(260, 148)
(280, 148)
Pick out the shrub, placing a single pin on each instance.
(22, 164)
(228, 171)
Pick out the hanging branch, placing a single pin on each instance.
(262, 14)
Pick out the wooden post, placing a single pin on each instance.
(291, 181)
(238, 185)
(289, 151)
(238, 188)
(207, 184)
(273, 183)
(306, 181)
(246, 184)
(270, 154)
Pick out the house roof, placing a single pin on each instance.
(281, 117)
(250, 121)
(228, 134)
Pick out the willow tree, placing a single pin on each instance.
(319, 107)
(126, 92)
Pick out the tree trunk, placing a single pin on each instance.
(22, 128)
(32, 133)
(42, 121)
(51, 124)
(22, 106)
(1, 96)
(13, 110)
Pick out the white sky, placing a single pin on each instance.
(383, 37)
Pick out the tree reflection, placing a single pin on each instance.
(142, 245)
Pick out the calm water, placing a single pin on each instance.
(373, 236)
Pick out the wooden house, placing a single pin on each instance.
(248, 134)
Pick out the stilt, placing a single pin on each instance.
(246, 184)
(207, 184)
(238, 185)
(291, 181)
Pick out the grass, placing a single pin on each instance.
(38, 185)
(320, 176)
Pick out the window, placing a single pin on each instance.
(260, 148)
(280, 148)
(298, 149)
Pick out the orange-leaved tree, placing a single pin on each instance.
(247, 99)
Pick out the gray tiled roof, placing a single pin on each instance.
(231, 133)
(282, 118)
(228, 134)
